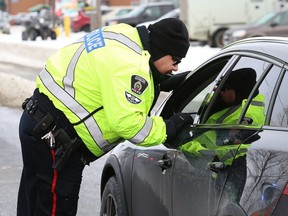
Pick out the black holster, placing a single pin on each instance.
(64, 147)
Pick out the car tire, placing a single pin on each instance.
(112, 203)
(24, 36)
(33, 34)
(217, 38)
(53, 35)
(86, 28)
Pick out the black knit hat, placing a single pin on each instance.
(242, 81)
(168, 37)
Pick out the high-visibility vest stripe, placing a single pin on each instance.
(124, 40)
(69, 78)
(226, 114)
(74, 107)
(119, 38)
(143, 133)
(234, 108)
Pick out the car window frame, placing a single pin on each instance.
(181, 94)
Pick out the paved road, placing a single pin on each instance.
(11, 166)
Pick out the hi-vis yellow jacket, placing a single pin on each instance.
(255, 115)
(103, 84)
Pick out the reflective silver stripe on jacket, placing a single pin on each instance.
(120, 38)
(74, 107)
(69, 78)
(232, 154)
(143, 133)
(234, 108)
(229, 112)
(258, 103)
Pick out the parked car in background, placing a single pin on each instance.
(244, 172)
(271, 24)
(116, 12)
(82, 21)
(4, 23)
(143, 13)
(171, 14)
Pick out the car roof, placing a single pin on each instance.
(272, 46)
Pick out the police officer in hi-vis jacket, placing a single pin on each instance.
(92, 95)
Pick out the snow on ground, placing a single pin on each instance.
(14, 89)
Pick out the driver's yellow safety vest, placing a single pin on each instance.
(103, 85)
(208, 140)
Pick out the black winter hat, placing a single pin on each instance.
(242, 81)
(168, 37)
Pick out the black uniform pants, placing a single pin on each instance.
(44, 191)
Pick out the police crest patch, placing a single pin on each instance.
(138, 84)
(132, 99)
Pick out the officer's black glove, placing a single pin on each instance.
(175, 124)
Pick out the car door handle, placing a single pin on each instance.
(165, 163)
(216, 166)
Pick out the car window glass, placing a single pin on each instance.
(152, 12)
(234, 90)
(281, 19)
(198, 97)
(194, 105)
(257, 110)
(280, 111)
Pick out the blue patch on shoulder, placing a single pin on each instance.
(94, 40)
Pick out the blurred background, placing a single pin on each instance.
(210, 22)
(31, 31)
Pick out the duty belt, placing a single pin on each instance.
(44, 119)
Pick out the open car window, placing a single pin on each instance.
(247, 79)
(279, 116)
(189, 97)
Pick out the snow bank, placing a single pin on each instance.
(14, 90)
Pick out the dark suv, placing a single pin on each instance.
(244, 172)
(271, 24)
(143, 13)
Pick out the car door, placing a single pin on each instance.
(153, 168)
(200, 177)
(151, 181)
(266, 173)
(191, 178)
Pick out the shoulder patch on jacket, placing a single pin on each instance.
(132, 99)
(94, 40)
(138, 84)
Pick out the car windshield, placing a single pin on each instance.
(264, 19)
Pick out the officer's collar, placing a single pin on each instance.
(144, 37)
